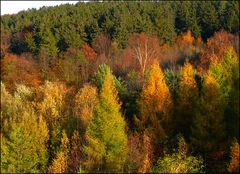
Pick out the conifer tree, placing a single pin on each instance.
(209, 130)
(226, 73)
(155, 104)
(85, 101)
(60, 163)
(105, 136)
(187, 94)
(24, 144)
(75, 153)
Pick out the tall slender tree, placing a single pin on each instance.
(105, 148)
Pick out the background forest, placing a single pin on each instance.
(121, 87)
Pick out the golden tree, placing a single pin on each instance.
(155, 103)
(85, 101)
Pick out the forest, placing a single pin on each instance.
(121, 87)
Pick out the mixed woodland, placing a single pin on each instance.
(121, 87)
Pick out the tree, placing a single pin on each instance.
(208, 21)
(50, 105)
(147, 155)
(88, 52)
(209, 128)
(76, 155)
(102, 45)
(135, 153)
(72, 67)
(48, 42)
(234, 163)
(187, 94)
(226, 73)
(179, 162)
(85, 101)
(154, 105)
(100, 75)
(145, 49)
(106, 148)
(163, 18)
(186, 18)
(24, 134)
(60, 163)
(216, 46)
(231, 19)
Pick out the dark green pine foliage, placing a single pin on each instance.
(186, 18)
(231, 16)
(208, 19)
(72, 25)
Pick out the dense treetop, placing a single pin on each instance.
(57, 28)
(121, 87)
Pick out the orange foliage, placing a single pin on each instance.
(155, 96)
(88, 52)
(234, 163)
(185, 39)
(154, 104)
(148, 155)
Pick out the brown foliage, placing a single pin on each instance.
(102, 44)
(135, 155)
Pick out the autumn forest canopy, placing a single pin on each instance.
(121, 87)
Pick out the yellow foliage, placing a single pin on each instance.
(109, 93)
(210, 88)
(59, 165)
(53, 101)
(85, 101)
(155, 93)
(155, 104)
(188, 90)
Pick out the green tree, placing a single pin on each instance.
(24, 144)
(179, 162)
(100, 75)
(226, 73)
(208, 18)
(106, 149)
(48, 42)
(209, 129)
